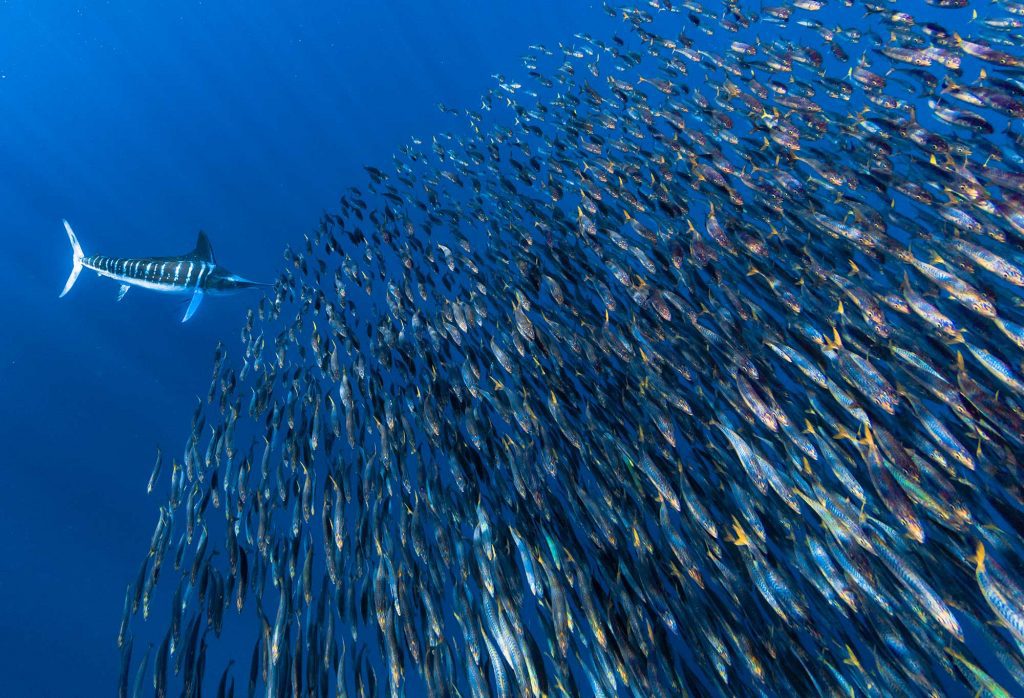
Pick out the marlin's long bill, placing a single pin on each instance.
(196, 273)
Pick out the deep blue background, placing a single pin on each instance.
(141, 123)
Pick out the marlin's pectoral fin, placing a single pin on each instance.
(122, 291)
(197, 298)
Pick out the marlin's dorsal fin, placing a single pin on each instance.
(203, 250)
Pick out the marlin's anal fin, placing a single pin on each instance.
(197, 298)
(123, 290)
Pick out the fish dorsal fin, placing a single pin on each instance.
(203, 249)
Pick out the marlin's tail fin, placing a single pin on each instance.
(76, 258)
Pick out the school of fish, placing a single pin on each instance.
(688, 363)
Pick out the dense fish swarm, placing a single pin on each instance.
(689, 364)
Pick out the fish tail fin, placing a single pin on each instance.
(76, 258)
(741, 535)
(836, 342)
(844, 433)
(867, 440)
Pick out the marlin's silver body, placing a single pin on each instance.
(196, 273)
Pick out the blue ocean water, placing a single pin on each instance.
(142, 123)
(141, 126)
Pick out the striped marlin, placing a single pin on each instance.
(196, 272)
